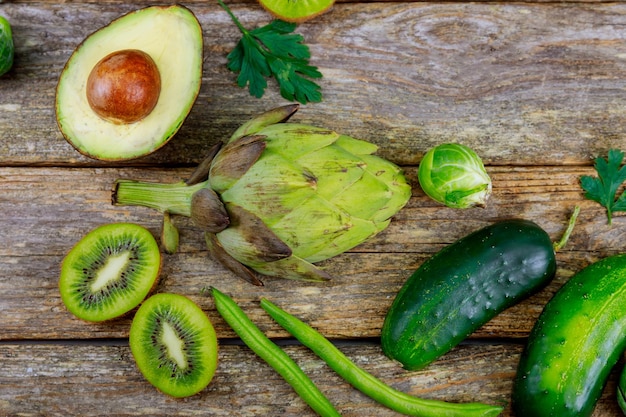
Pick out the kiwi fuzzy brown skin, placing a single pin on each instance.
(174, 344)
(79, 271)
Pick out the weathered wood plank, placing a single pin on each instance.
(253, 2)
(535, 88)
(524, 84)
(89, 380)
(49, 209)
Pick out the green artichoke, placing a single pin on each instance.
(278, 197)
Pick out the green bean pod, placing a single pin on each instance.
(366, 382)
(282, 363)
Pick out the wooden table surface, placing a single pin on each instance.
(537, 89)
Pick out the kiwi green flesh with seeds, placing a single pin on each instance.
(174, 344)
(109, 272)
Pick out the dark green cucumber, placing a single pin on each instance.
(463, 286)
(621, 391)
(576, 341)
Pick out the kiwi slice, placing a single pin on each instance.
(109, 271)
(296, 10)
(174, 344)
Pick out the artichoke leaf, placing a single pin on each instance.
(378, 193)
(270, 117)
(293, 140)
(323, 230)
(383, 184)
(208, 212)
(356, 146)
(233, 248)
(392, 178)
(293, 268)
(334, 169)
(201, 173)
(249, 240)
(234, 160)
(272, 197)
(218, 253)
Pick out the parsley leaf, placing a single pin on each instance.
(274, 51)
(603, 188)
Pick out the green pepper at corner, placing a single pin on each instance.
(7, 49)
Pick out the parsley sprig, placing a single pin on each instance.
(603, 188)
(274, 51)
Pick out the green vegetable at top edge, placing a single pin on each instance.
(296, 11)
(454, 175)
(7, 48)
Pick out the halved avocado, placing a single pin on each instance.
(171, 36)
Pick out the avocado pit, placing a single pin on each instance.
(124, 86)
(123, 106)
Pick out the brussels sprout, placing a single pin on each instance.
(454, 175)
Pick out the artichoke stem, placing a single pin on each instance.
(173, 198)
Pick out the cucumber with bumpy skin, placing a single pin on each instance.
(463, 286)
(575, 343)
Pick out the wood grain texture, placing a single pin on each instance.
(52, 208)
(536, 88)
(92, 380)
(61, 379)
(523, 84)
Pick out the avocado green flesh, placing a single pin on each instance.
(172, 36)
